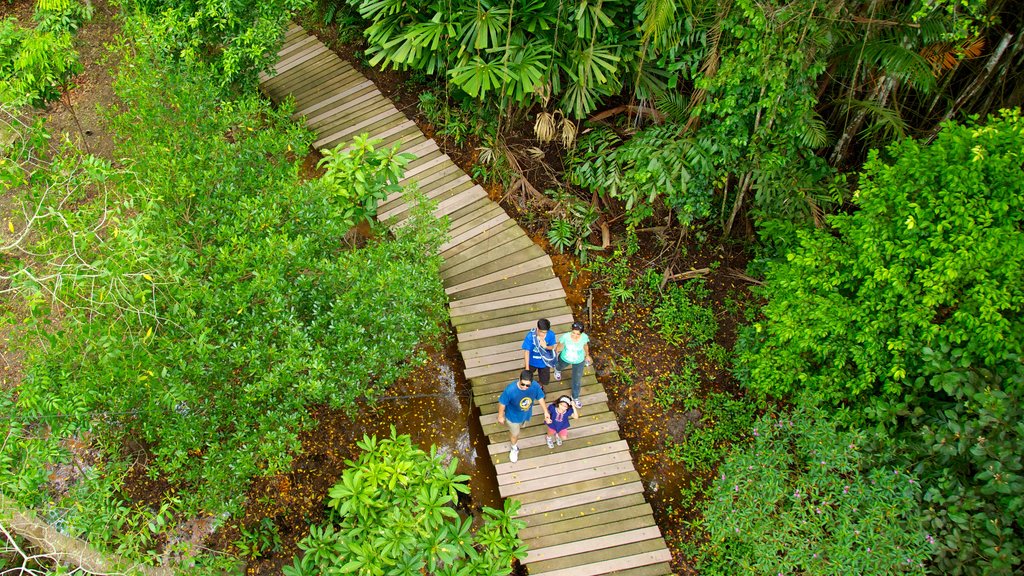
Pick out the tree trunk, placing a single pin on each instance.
(880, 95)
(65, 549)
(741, 192)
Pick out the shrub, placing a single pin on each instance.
(392, 514)
(682, 316)
(806, 498)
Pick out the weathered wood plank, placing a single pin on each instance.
(653, 552)
(507, 235)
(546, 517)
(593, 544)
(581, 497)
(544, 286)
(595, 435)
(460, 238)
(558, 477)
(555, 532)
(541, 261)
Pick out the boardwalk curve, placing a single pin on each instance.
(583, 502)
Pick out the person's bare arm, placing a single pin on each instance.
(501, 413)
(526, 359)
(544, 409)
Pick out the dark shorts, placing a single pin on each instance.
(543, 374)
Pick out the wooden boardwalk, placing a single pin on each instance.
(583, 502)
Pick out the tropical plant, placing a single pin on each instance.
(392, 513)
(684, 316)
(806, 498)
(358, 176)
(36, 66)
(908, 312)
(238, 39)
(515, 52)
(206, 294)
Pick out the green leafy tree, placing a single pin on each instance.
(806, 498)
(35, 65)
(207, 295)
(239, 39)
(393, 514)
(908, 312)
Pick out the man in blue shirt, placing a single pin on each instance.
(515, 406)
(539, 351)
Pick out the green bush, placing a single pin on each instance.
(683, 316)
(207, 295)
(393, 514)
(723, 420)
(806, 498)
(908, 313)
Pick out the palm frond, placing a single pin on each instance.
(813, 133)
(674, 106)
(890, 59)
(657, 19)
(885, 122)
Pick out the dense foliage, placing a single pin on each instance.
(238, 39)
(393, 514)
(909, 313)
(205, 294)
(517, 52)
(806, 498)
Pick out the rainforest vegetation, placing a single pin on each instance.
(189, 297)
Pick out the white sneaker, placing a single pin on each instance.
(551, 443)
(558, 375)
(513, 454)
(558, 440)
(577, 402)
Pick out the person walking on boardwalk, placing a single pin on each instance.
(558, 427)
(515, 406)
(539, 351)
(574, 350)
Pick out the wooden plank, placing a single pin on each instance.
(470, 219)
(526, 255)
(659, 569)
(581, 497)
(351, 124)
(515, 314)
(505, 226)
(506, 235)
(341, 134)
(483, 334)
(460, 238)
(299, 58)
(506, 339)
(499, 303)
(537, 522)
(297, 45)
(399, 208)
(538, 275)
(559, 477)
(531, 438)
(596, 543)
(282, 82)
(360, 105)
(512, 315)
(550, 533)
(482, 253)
(319, 88)
(400, 127)
(343, 104)
(521, 475)
(650, 554)
(540, 262)
(459, 200)
(488, 421)
(579, 489)
(472, 216)
(483, 393)
(596, 435)
(549, 285)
